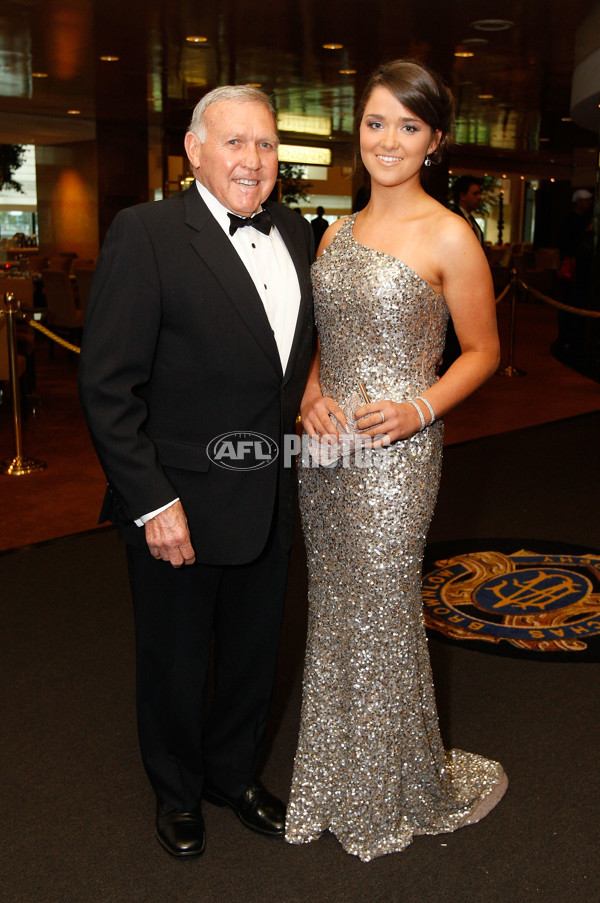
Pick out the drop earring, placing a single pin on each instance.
(427, 161)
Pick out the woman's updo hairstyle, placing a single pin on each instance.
(421, 91)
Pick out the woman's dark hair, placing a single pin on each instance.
(421, 91)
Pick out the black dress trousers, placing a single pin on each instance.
(182, 617)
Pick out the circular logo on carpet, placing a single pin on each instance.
(535, 601)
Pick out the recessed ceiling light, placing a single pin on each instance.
(109, 59)
(196, 39)
(543, 139)
(39, 75)
(492, 24)
(475, 42)
(485, 96)
(347, 71)
(73, 112)
(254, 84)
(463, 53)
(333, 46)
(566, 119)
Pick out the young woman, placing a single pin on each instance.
(370, 765)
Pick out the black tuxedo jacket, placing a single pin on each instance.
(474, 225)
(177, 350)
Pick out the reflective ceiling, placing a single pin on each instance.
(512, 91)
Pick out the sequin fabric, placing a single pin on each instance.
(370, 765)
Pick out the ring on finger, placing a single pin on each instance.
(382, 416)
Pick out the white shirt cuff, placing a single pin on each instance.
(146, 517)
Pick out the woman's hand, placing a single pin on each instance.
(315, 413)
(387, 421)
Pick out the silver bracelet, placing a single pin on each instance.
(428, 406)
(419, 411)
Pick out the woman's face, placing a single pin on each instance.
(393, 141)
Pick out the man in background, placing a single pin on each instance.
(319, 225)
(467, 198)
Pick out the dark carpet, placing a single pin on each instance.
(77, 812)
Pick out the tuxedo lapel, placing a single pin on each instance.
(217, 252)
(302, 271)
(473, 224)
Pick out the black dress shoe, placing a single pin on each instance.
(180, 833)
(256, 808)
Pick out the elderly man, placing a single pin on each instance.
(196, 350)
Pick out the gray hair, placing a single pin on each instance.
(234, 93)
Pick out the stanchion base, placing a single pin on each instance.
(511, 371)
(19, 467)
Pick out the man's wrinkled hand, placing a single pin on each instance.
(168, 536)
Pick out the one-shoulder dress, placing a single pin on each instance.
(370, 765)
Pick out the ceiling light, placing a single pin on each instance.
(73, 112)
(485, 96)
(347, 71)
(463, 53)
(543, 139)
(196, 39)
(254, 84)
(39, 75)
(566, 119)
(333, 46)
(475, 42)
(109, 59)
(492, 24)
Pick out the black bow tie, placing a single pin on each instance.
(261, 221)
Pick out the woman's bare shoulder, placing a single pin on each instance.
(450, 226)
(330, 234)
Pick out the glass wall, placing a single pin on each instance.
(18, 209)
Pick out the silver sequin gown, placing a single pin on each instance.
(370, 765)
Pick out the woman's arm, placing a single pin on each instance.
(314, 407)
(469, 292)
(468, 289)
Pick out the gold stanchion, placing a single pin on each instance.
(17, 466)
(511, 370)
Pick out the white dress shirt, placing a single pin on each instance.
(272, 270)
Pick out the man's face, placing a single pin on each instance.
(238, 160)
(471, 200)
